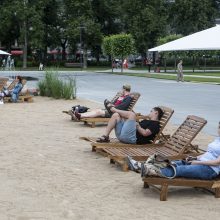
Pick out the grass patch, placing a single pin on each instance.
(52, 86)
(171, 77)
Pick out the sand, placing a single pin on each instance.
(47, 173)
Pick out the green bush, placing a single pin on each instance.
(52, 86)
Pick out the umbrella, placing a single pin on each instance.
(208, 39)
(4, 53)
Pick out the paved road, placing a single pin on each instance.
(185, 98)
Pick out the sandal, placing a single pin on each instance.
(106, 102)
(108, 106)
(103, 139)
(77, 115)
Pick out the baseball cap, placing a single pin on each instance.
(127, 87)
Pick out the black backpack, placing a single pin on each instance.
(80, 109)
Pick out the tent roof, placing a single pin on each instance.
(208, 39)
(4, 53)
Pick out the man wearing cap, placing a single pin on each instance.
(121, 103)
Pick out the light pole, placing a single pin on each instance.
(80, 39)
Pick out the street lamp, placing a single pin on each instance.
(80, 38)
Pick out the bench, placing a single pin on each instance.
(73, 65)
(211, 185)
(22, 98)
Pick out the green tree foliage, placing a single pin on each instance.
(119, 45)
(81, 19)
(122, 45)
(190, 16)
(168, 38)
(107, 45)
(145, 20)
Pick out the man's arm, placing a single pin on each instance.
(142, 131)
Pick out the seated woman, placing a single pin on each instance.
(14, 93)
(121, 102)
(205, 166)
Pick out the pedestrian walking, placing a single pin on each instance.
(41, 66)
(180, 71)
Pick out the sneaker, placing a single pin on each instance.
(150, 170)
(132, 164)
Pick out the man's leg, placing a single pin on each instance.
(191, 171)
(93, 113)
(124, 114)
(112, 123)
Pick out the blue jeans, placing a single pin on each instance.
(190, 171)
(125, 131)
(14, 97)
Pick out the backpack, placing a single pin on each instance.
(79, 108)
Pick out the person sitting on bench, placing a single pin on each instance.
(205, 166)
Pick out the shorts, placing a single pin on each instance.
(125, 131)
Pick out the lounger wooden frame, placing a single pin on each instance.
(114, 142)
(177, 146)
(23, 97)
(92, 121)
(3, 82)
(211, 185)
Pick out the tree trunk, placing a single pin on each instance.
(25, 46)
(122, 60)
(84, 58)
(63, 45)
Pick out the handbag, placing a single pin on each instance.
(154, 163)
(79, 108)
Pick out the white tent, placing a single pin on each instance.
(4, 53)
(208, 39)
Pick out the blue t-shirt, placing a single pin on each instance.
(213, 152)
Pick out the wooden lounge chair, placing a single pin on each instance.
(211, 185)
(3, 82)
(114, 142)
(12, 85)
(24, 97)
(177, 146)
(92, 121)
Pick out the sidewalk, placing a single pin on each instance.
(161, 73)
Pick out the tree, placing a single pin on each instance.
(8, 24)
(190, 16)
(119, 45)
(145, 20)
(82, 26)
(168, 38)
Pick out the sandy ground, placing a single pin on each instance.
(46, 172)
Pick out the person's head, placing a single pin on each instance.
(181, 61)
(19, 79)
(126, 88)
(156, 113)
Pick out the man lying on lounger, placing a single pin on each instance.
(129, 131)
(122, 102)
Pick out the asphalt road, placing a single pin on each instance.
(185, 98)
